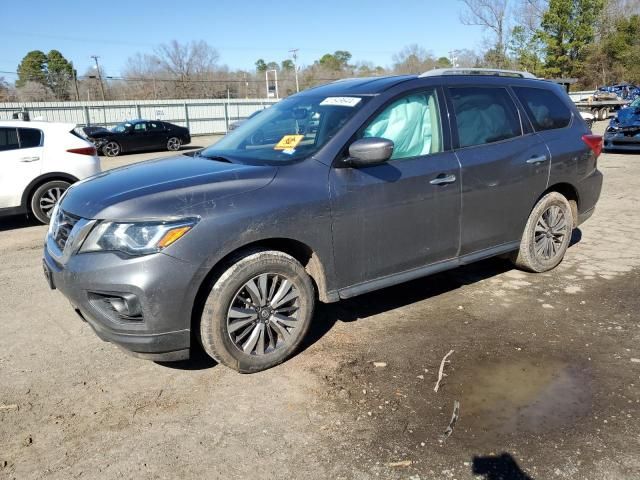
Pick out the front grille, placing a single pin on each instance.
(63, 224)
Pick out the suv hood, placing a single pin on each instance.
(172, 187)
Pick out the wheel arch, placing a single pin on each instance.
(42, 179)
(570, 193)
(302, 252)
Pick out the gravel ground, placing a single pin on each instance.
(546, 371)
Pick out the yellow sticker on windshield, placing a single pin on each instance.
(288, 141)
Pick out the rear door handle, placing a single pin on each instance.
(537, 159)
(29, 159)
(443, 179)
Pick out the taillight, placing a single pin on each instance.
(83, 150)
(594, 142)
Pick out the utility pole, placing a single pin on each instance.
(453, 58)
(75, 81)
(95, 58)
(294, 54)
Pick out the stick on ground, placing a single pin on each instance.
(441, 372)
(454, 419)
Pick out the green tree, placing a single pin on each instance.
(525, 49)
(261, 65)
(59, 74)
(337, 61)
(33, 67)
(617, 56)
(287, 65)
(567, 29)
(443, 62)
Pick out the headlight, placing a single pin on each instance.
(136, 238)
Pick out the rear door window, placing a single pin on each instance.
(484, 115)
(8, 139)
(155, 127)
(30, 137)
(546, 110)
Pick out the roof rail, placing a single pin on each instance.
(440, 72)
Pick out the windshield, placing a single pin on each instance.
(635, 103)
(121, 127)
(292, 129)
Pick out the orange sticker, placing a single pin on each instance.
(288, 141)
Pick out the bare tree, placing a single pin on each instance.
(189, 64)
(491, 15)
(413, 59)
(34, 92)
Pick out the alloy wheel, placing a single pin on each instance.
(173, 144)
(111, 149)
(263, 314)
(49, 199)
(550, 232)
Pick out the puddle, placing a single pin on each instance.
(524, 396)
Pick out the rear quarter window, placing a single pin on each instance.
(30, 137)
(545, 108)
(484, 115)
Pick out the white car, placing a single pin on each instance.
(38, 162)
(588, 117)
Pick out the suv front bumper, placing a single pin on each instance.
(159, 284)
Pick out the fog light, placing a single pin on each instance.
(128, 304)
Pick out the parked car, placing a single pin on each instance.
(404, 176)
(39, 160)
(588, 118)
(623, 91)
(623, 132)
(137, 135)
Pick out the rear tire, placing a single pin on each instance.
(258, 312)
(546, 235)
(45, 198)
(603, 114)
(173, 144)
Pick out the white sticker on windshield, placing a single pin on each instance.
(341, 101)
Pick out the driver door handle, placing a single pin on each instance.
(537, 159)
(443, 179)
(29, 159)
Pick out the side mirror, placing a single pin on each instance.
(370, 151)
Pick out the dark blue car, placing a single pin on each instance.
(623, 132)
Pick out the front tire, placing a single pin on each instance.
(45, 198)
(546, 235)
(258, 312)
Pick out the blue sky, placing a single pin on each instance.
(241, 31)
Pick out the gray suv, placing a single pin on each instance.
(340, 190)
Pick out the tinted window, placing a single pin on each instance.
(8, 139)
(155, 127)
(545, 109)
(412, 123)
(484, 115)
(140, 127)
(29, 137)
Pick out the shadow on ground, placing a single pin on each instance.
(374, 303)
(16, 222)
(498, 467)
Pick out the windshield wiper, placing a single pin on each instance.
(216, 158)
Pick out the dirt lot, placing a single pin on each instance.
(545, 369)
